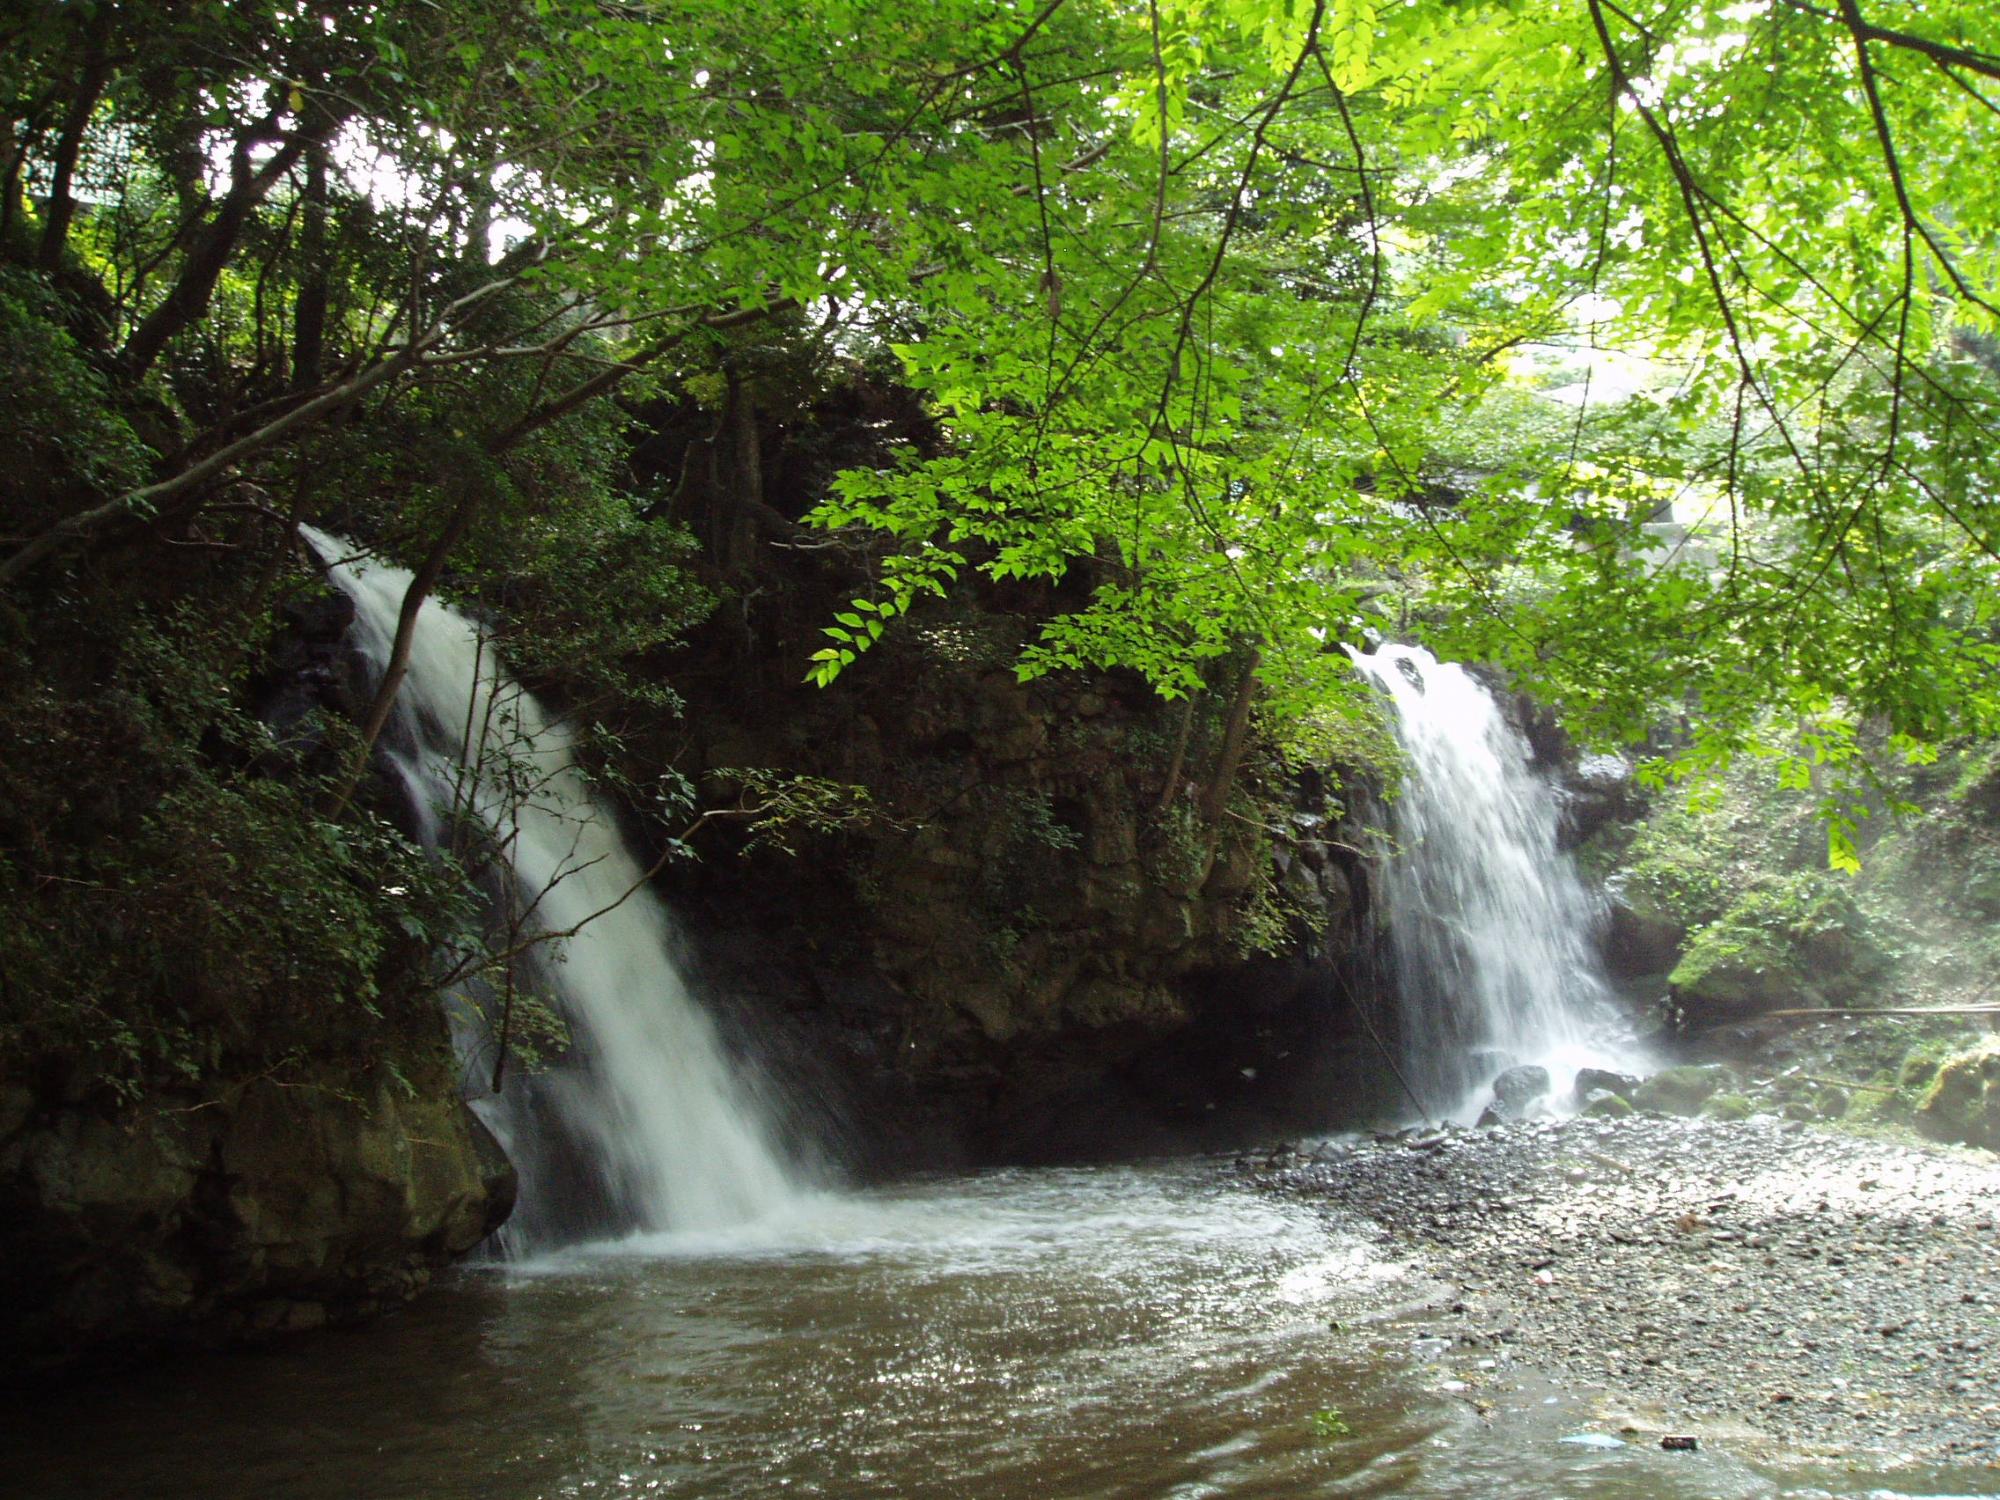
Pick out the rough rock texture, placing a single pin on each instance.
(273, 1206)
(1595, 792)
(1641, 936)
(1035, 952)
(1682, 1090)
(1963, 1103)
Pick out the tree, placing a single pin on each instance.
(1206, 293)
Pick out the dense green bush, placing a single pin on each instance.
(172, 906)
(1793, 937)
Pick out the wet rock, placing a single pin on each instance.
(1682, 1090)
(265, 1208)
(1795, 941)
(1726, 1107)
(1963, 1102)
(1589, 1080)
(1602, 1104)
(1642, 937)
(1769, 1287)
(1517, 1089)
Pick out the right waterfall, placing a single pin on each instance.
(1491, 930)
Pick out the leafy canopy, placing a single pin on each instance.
(1251, 317)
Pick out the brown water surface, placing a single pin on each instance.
(1145, 1332)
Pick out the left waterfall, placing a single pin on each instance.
(647, 1124)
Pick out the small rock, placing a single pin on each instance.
(1604, 1104)
(1589, 1080)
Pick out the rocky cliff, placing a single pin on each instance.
(264, 1207)
(1034, 948)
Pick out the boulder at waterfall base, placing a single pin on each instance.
(1517, 1090)
(271, 1208)
(1682, 1090)
(1963, 1101)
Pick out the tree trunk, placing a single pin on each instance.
(1234, 737)
(69, 144)
(211, 248)
(1175, 765)
(736, 528)
(309, 316)
(421, 583)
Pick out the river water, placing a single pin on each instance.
(1157, 1331)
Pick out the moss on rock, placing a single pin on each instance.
(1963, 1101)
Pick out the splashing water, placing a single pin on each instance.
(647, 1125)
(1491, 930)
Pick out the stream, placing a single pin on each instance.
(1155, 1331)
(1165, 1330)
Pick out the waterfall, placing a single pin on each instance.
(646, 1124)
(1490, 928)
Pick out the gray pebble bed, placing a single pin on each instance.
(1817, 1293)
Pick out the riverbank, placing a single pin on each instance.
(1780, 1290)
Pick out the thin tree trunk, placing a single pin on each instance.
(421, 583)
(69, 144)
(1175, 765)
(1234, 737)
(736, 532)
(211, 248)
(309, 316)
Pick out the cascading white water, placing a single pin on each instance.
(1490, 927)
(648, 1106)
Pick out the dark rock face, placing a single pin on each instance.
(271, 1208)
(1594, 792)
(305, 672)
(1641, 937)
(1039, 951)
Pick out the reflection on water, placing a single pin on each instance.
(1086, 1333)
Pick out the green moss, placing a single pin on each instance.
(1963, 1100)
(1783, 938)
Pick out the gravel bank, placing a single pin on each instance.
(1773, 1285)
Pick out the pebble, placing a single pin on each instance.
(1826, 1290)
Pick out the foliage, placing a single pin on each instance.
(1247, 328)
(62, 434)
(775, 810)
(1801, 931)
(1328, 1423)
(1249, 316)
(174, 911)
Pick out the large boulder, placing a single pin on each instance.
(1594, 1080)
(1963, 1101)
(1517, 1090)
(1594, 792)
(1683, 1090)
(1799, 940)
(267, 1207)
(1641, 936)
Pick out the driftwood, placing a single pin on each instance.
(1892, 1010)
